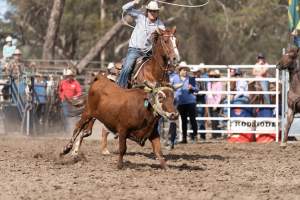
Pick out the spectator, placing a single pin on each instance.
(8, 49)
(69, 88)
(215, 99)
(186, 100)
(200, 98)
(242, 97)
(15, 67)
(40, 98)
(261, 72)
(172, 124)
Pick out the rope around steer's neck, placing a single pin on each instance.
(156, 105)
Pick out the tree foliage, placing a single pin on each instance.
(223, 32)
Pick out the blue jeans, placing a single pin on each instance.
(297, 41)
(265, 87)
(132, 55)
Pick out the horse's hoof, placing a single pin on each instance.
(283, 145)
(105, 152)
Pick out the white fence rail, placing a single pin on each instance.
(231, 127)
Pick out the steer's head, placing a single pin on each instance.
(161, 99)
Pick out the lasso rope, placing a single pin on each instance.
(173, 4)
(182, 5)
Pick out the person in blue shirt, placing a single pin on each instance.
(140, 43)
(40, 99)
(8, 49)
(185, 100)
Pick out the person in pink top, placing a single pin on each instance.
(214, 99)
(69, 88)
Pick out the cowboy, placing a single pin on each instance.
(140, 41)
(69, 88)
(16, 66)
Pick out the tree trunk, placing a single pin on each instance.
(101, 44)
(53, 29)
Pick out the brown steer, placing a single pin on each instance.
(132, 113)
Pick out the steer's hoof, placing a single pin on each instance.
(105, 152)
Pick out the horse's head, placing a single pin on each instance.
(166, 40)
(288, 59)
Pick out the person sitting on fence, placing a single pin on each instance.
(8, 49)
(215, 99)
(261, 72)
(40, 99)
(186, 100)
(69, 88)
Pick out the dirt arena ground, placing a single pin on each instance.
(30, 169)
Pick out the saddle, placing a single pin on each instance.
(138, 66)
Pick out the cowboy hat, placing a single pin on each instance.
(68, 72)
(110, 65)
(215, 73)
(183, 65)
(17, 52)
(8, 39)
(152, 5)
(195, 68)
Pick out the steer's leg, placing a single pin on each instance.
(155, 141)
(103, 142)
(79, 126)
(85, 133)
(290, 118)
(122, 149)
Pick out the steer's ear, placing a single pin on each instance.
(177, 86)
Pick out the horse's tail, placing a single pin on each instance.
(77, 105)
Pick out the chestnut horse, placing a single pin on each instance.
(289, 62)
(165, 55)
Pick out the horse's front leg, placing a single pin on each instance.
(290, 118)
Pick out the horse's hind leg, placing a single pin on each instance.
(87, 131)
(290, 118)
(103, 142)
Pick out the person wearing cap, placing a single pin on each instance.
(8, 49)
(140, 43)
(214, 98)
(261, 72)
(185, 100)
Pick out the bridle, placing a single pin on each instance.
(167, 52)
